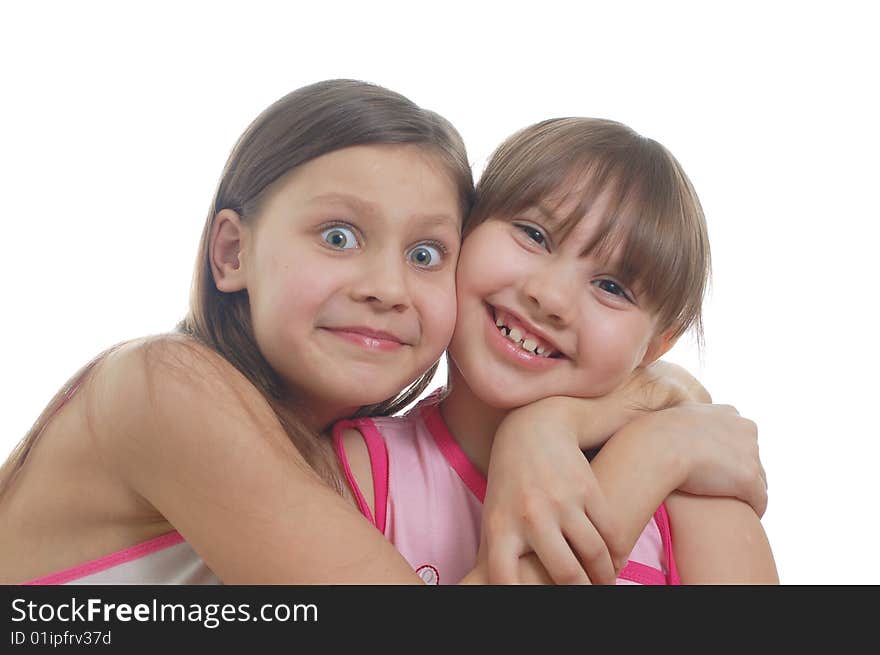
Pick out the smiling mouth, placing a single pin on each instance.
(368, 339)
(518, 334)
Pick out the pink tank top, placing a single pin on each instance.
(429, 499)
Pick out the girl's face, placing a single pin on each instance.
(548, 300)
(351, 274)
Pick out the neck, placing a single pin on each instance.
(317, 417)
(472, 422)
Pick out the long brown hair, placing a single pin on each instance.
(653, 212)
(303, 125)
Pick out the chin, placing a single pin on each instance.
(499, 398)
(358, 398)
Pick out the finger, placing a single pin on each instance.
(557, 556)
(503, 560)
(762, 506)
(758, 496)
(603, 519)
(591, 550)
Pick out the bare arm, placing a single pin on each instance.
(544, 497)
(719, 541)
(189, 434)
(704, 449)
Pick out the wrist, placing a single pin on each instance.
(658, 438)
(559, 412)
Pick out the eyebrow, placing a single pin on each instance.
(345, 198)
(367, 207)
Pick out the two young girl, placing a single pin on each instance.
(324, 287)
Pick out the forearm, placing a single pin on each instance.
(657, 387)
(719, 541)
(636, 472)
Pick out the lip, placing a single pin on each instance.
(512, 352)
(376, 340)
(525, 323)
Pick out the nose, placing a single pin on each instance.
(381, 283)
(549, 293)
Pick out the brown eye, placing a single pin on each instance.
(612, 287)
(533, 233)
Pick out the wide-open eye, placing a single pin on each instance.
(615, 289)
(533, 233)
(426, 255)
(340, 236)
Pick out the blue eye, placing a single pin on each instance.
(533, 233)
(340, 237)
(425, 256)
(612, 287)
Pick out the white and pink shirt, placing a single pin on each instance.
(429, 499)
(166, 560)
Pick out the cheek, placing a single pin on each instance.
(614, 343)
(288, 298)
(487, 265)
(437, 313)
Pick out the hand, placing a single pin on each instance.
(530, 572)
(719, 449)
(542, 497)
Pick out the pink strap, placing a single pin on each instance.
(378, 454)
(452, 452)
(114, 559)
(661, 516)
(642, 574)
(340, 453)
(648, 575)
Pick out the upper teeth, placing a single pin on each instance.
(516, 335)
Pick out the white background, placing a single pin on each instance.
(115, 123)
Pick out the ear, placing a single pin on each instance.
(225, 251)
(659, 346)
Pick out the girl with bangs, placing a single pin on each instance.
(324, 288)
(585, 259)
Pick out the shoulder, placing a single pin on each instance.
(719, 540)
(168, 361)
(171, 394)
(159, 375)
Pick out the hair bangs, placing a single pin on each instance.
(659, 238)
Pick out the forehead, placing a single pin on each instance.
(372, 180)
(385, 168)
